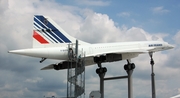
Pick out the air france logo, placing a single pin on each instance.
(151, 45)
(45, 21)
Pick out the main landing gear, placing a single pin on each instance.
(101, 71)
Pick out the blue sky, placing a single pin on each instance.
(93, 21)
(153, 16)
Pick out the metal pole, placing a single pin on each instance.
(130, 93)
(76, 52)
(68, 71)
(152, 75)
(152, 79)
(129, 69)
(101, 72)
(101, 75)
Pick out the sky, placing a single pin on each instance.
(93, 21)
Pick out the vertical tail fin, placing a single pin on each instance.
(46, 33)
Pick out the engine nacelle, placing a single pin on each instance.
(114, 57)
(108, 58)
(64, 65)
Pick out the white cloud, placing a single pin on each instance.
(98, 27)
(101, 28)
(3, 5)
(177, 37)
(35, 80)
(93, 2)
(159, 10)
(124, 14)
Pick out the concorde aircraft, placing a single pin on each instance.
(50, 41)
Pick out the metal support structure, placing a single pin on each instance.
(114, 78)
(76, 72)
(102, 84)
(152, 75)
(130, 89)
(101, 71)
(129, 69)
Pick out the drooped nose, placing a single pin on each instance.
(170, 46)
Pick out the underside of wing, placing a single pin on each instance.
(65, 64)
(51, 66)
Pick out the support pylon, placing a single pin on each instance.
(152, 75)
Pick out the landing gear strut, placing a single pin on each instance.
(152, 75)
(129, 69)
(101, 71)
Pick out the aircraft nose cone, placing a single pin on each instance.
(171, 46)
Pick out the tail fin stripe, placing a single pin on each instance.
(37, 28)
(51, 36)
(63, 38)
(39, 38)
(44, 34)
(48, 25)
(58, 33)
(36, 20)
(48, 32)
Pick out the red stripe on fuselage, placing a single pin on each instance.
(39, 38)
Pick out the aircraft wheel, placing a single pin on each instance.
(129, 66)
(101, 70)
(126, 67)
(98, 71)
(104, 69)
(133, 66)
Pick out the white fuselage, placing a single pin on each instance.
(91, 50)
